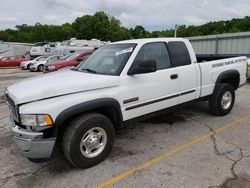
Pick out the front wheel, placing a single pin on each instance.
(222, 100)
(40, 68)
(88, 140)
(28, 66)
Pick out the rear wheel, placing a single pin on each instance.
(40, 68)
(88, 140)
(222, 100)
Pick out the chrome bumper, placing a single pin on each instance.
(32, 144)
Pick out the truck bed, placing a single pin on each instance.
(210, 71)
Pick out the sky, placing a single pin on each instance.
(152, 14)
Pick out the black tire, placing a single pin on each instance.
(28, 67)
(74, 133)
(40, 68)
(215, 101)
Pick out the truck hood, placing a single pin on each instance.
(57, 84)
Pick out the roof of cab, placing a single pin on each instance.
(147, 40)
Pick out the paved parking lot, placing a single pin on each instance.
(188, 148)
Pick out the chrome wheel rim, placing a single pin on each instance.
(93, 142)
(226, 100)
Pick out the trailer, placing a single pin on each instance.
(221, 46)
(75, 45)
(14, 48)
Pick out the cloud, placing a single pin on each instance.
(153, 15)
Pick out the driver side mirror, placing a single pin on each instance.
(145, 66)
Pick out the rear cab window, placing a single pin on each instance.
(179, 53)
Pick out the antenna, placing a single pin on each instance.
(175, 30)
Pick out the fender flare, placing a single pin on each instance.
(88, 106)
(227, 75)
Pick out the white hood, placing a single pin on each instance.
(58, 83)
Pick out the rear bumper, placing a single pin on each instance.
(32, 144)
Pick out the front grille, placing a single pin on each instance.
(12, 107)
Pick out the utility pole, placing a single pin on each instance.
(175, 30)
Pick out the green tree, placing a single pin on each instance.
(105, 27)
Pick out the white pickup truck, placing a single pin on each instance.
(83, 106)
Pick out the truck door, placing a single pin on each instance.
(150, 92)
(187, 71)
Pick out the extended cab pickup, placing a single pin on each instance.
(82, 107)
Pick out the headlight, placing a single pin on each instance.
(51, 67)
(36, 120)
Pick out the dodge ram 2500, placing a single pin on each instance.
(82, 107)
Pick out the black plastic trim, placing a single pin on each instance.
(164, 111)
(229, 74)
(159, 100)
(88, 106)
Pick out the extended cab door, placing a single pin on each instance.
(188, 72)
(145, 93)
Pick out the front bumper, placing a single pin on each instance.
(32, 144)
(23, 67)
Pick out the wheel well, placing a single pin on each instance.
(234, 81)
(230, 77)
(111, 112)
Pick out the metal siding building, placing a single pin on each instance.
(232, 44)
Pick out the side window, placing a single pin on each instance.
(179, 53)
(52, 59)
(154, 51)
(47, 49)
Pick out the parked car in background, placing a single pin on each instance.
(73, 60)
(26, 64)
(39, 65)
(11, 61)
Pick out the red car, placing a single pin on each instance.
(11, 61)
(73, 60)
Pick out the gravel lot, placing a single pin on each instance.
(188, 148)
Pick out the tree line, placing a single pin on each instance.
(107, 28)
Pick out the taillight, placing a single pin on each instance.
(248, 66)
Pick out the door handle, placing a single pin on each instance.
(174, 76)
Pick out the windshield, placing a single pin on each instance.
(72, 55)
(40, 58)
(108, 60)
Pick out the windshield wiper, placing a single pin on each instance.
(89, 70)
(74, 69)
